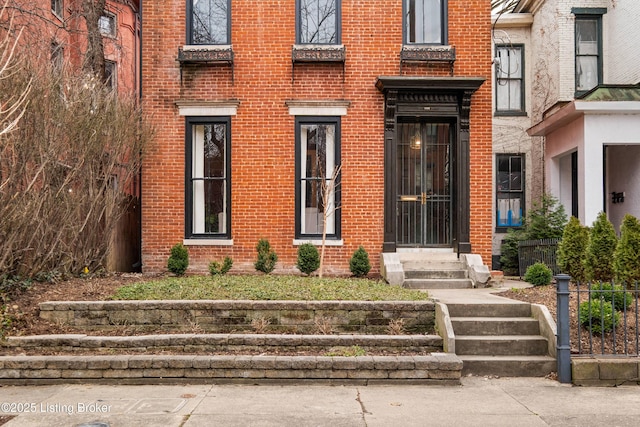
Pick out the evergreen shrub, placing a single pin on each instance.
(359, 263)
(598, 316)
(538, 274)
(626, 258)
(267, 258)
(602, 244)
(178, 260)
(614, 294)
(308, 258)
(572, 249)
(215, 268)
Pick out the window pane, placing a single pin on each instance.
(317, 157)
(209, 22)
(586, 37)
(209, 178)
(587, 72)
(107, 24)
(509, 79)
(424, 21)
(509, 210)
(318, 21)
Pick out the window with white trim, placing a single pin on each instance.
(208, 184)
(317, 195)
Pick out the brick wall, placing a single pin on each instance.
(263, 156)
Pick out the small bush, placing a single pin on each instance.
(614, 294)
(538, 274)
(308, 258)
(509, 252)
(598, 315)
(359, 263)
(267, 258)
(179, 259)
(215, 268)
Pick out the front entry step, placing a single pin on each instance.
(435, 271)
(501, 339)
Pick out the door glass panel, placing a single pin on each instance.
(424, 184)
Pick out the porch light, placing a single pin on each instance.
(415, 142)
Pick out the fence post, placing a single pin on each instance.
(562, 344)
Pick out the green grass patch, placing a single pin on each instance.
(266, 288)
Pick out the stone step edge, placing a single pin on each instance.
(439, 367)
(176, 340)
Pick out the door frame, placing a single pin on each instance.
(429, 98)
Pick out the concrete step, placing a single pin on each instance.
(435, 274)
(507, 309)
(433, 265)
(438, 284)
(495, 326)
(508, 366)
(502, 345)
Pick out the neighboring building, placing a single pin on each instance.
(255, 104)
(582, 102)
(55, 30)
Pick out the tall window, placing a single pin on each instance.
(57, 56)
(208, 22)
(57, 7)
(588, 52)
(110, 74)
(318, 156)
(208, 178)
(318, 21)
(510, 190)
(510, 79)
(425, 22)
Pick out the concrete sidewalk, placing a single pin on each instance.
(477, 402)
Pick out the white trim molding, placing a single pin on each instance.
(318, 108)
(208, 108)
(207, 242)
(318, 242)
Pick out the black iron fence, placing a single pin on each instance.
(540, 250)
(596, 319)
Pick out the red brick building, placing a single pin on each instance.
(256, 103)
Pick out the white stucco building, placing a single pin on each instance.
(580, 104)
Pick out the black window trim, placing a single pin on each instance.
(338, 26)
(444, 20)
(584, 13)
(189, 122)
(311, 120)
(523, 110)
(189, 35)
(505, 228)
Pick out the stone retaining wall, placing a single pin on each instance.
(300, 317)
(605, 371)
(437, 368)
(211, 343)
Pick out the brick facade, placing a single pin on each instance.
(262, 79)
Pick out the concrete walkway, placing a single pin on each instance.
(478, 295)
(477, 402)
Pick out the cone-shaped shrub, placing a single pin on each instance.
(572, 249)
(626, 258)
(267, 258)
(308, 258)
(359, 263)
(602, 245)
